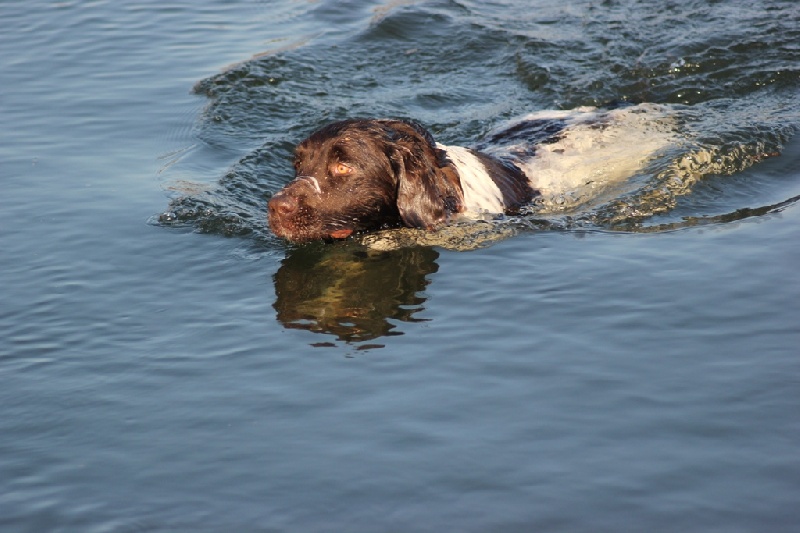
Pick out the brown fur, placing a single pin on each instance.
(399, 178)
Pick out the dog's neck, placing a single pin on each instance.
(489, 185)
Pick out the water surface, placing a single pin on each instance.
(166, 364)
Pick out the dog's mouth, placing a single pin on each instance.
(299, 233)
(341, 233)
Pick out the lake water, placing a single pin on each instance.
(166, 364)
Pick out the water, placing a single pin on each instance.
(168, 365)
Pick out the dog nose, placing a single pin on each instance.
(282, 205)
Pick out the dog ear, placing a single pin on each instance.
(428, 191)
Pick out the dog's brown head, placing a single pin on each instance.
(365, 174)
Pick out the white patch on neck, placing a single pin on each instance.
(481, 194)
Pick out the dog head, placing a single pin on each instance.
(365, 174)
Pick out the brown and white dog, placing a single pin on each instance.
(361, 175)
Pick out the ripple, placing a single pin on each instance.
(462, 68)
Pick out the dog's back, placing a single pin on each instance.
(569, 155)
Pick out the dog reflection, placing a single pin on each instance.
(350, 292)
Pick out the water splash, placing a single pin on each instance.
(737, 94)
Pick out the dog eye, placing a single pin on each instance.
(342, 169)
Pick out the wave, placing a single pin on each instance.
(473, 70)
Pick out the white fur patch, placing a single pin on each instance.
(481, 194)
(597, 149)
(312, 180)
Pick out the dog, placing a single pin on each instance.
(362, 175)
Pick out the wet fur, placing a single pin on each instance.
(400, 177)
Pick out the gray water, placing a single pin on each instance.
(166, 364)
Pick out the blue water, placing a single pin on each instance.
(166, 364)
